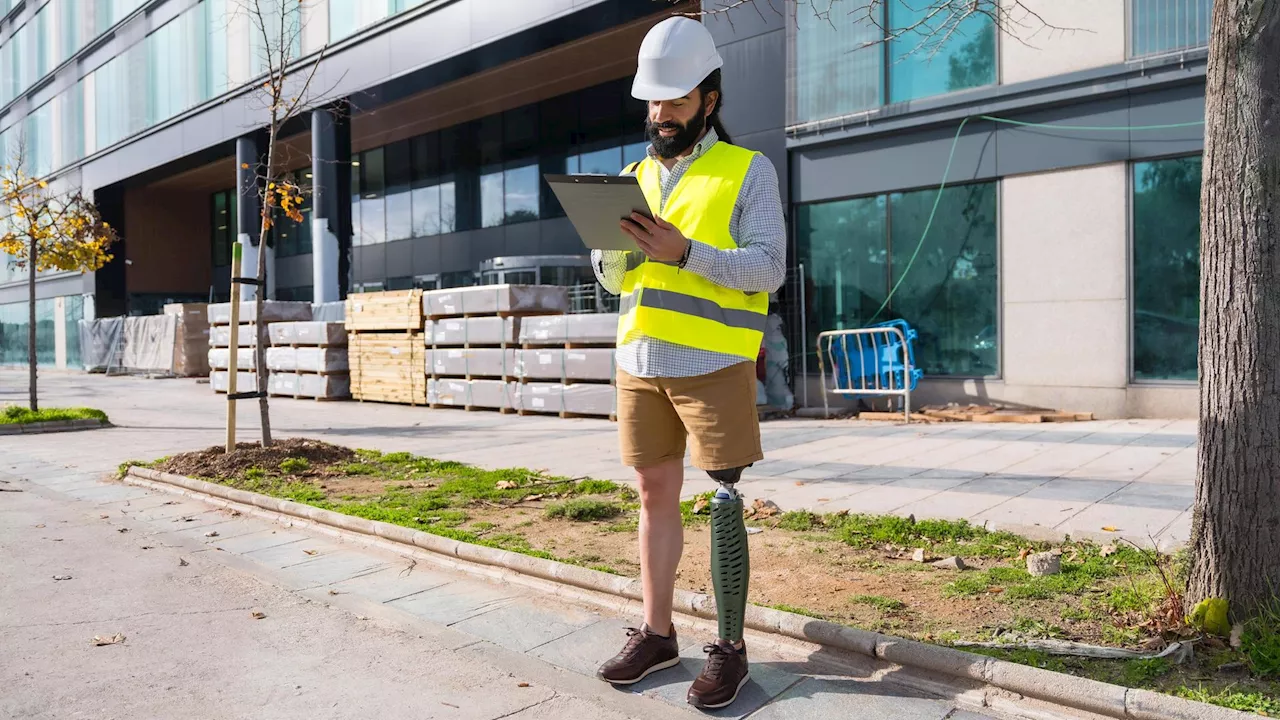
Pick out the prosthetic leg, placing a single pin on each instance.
(730, 566)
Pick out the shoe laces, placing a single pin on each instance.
(635, 636)
(717, 655)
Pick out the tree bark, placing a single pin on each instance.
(31, 327)
(1236, 524)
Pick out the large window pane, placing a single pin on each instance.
(448, 205)
(399, 171)
(836, 68)
(426, 211)
(607, 161)
(1166, 268)
(855, 251)
(348, 16)
(1162, 26)
(491, 210)
(520, 194)
(843, 246)
(921, 64)
(373, 198)
(950, 292)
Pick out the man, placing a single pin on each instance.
(693, 309)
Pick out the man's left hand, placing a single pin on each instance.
(657, 238)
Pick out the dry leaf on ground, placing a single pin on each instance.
(1109, 528)
(258, 615)
(100, 640)
(311, 552)
(700, 505)
(61, 577)
(507, 485)
(182, 562)
(1107, 550)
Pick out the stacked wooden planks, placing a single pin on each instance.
(385, 347)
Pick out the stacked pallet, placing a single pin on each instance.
(385, 347)
(566, 365)
(472, 340)
(308, 360)
(246, 341)
(191, 340)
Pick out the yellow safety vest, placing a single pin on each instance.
(662, 301)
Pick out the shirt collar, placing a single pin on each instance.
(702, 146)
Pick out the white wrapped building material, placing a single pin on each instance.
(300, 385)
(557, 364)
(494, 394)
(472, 362)
(586, 329)
(588, 399)
(333, 334)
(449, 392)
(246, 358)
(245, 381)
(459, 332)
(272, 311)
(220, 336)
(149, 343)
(321, 360)
(493, 299)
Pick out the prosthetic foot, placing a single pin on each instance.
(730, 566)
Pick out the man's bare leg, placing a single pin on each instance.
(661, 539)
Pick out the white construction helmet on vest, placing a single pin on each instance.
(675, 57)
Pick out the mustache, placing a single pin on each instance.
(667, 125)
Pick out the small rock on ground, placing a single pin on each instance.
(1045, 563)
(951, 563)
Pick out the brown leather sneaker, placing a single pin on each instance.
(645, 653)
(724, 675)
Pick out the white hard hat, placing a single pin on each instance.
(675, 57)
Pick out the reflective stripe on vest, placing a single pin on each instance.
(662, 301)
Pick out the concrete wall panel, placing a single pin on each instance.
(1091, 34)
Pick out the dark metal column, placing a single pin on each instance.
(331, 203)
(248, 214)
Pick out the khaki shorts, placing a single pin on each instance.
(717, 411)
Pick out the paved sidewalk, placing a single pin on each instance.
(483, 650)
(1137, 476)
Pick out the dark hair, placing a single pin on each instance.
(712, 84)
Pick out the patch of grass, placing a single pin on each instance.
(1087, 569)
(1031, 627)
(1135, 597)
(1254, 702)
(1077, 614)
(1121, 636)
(18, 415)
(798, 521)
(483, 526)
(255, 475)
(626, 526)
(293, 466)
(584, 510)
(943, 537)
(687, 514)
(797, 611)
(604, 569)
(879, 601)
(1260, 641)
(1139, 673)
(596, 487)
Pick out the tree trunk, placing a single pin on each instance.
(1236, 526)
(31, 328)
(260, 347)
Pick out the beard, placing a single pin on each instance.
(686, 135)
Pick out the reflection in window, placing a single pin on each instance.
(520, 194)
(601, 162)
(426, 211)
(949, 293)
(921, 65)
(399, 200)
(491, 212)
(1163, 26)
(1166, 268)
(346, 17)
(836, 67)
(634, 153)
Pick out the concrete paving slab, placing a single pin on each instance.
(524, 624)
(952, 505)
(261, 540)
(227, 529)
(850, 699)
(294, 553)
(394, 583)
(106, 493)
(585, 650)
(1154, 496)
(1129, 522)
(334, 567)
(457, 601)
(1076, 490)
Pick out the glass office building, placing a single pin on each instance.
(1040, 265)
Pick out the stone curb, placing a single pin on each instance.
(42, 428)
(1105, 699)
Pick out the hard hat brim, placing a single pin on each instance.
(656, 91)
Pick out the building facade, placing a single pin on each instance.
(1047, 251)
